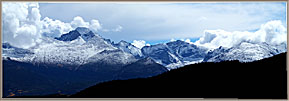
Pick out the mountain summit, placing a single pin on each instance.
(85, 34)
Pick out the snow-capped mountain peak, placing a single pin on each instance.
(6, 45)
(11, 51)
(82, 30)
(85, 33)
(82, 46)
(174, 54)
(73, 48)
(244, 52)
(129, 48)
(72, 35)
(123, 43)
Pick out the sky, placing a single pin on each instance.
(144, 23)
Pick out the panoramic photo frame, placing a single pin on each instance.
(144, 50)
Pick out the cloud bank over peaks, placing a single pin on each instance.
(78, 22)
(55, 28)
(273, 32)
(23, 27)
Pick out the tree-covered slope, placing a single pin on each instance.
(263, 79)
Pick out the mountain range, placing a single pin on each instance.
(86, 56)
(82, 46)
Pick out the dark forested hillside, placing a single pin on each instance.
(263, 79)
(22, 79)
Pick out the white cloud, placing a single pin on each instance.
(188, 41)
(185, 40)
(78, 22)
(203, 18)
(55, 28)
(34, 14)
(273, 32)
(21, 24)
(105, 30)
(139, 43)
(23, 27)
(95, 25)
(118, 28)
(172, 40)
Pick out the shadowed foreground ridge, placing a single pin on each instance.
(263, 79)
